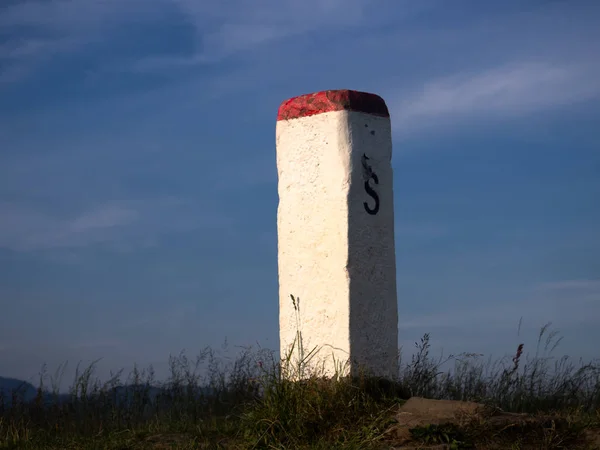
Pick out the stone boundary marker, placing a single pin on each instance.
(335, 227)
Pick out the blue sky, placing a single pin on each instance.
(138, 186)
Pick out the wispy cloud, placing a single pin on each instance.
(21, 57)
(122, 225)
(568, 303)
(103, 217)
(586, 292)
(570, 284)
(48, 28)
(510, 90)
(40, 30)
(56, 15)
(227, 27)
(29, 229)
(424, 231)
(234, 27)
(463, 316)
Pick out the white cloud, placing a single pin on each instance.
(122, 226)
(510, 90)
(25, 229)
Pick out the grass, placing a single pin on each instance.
(248, 404)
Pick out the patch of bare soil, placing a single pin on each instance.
(167, 441)
(446, 424)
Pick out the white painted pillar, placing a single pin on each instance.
(335, 225)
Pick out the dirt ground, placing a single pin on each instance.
(447, 424)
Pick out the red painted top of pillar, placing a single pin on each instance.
(327, 101)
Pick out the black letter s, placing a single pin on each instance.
(368, 175)
(373, 194)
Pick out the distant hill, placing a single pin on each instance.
(23, 389)
(26, 392)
